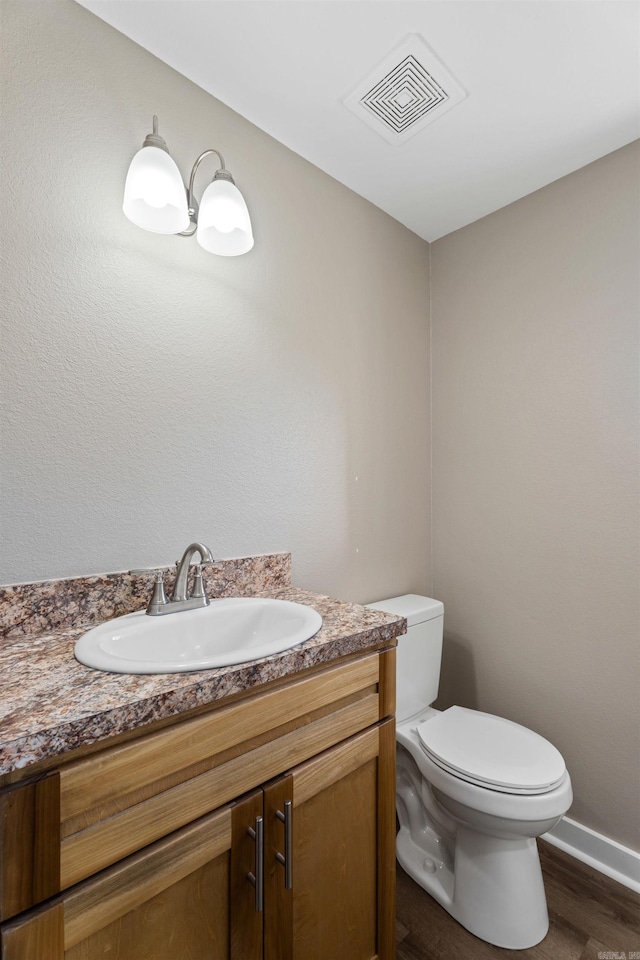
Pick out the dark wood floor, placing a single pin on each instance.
(591, 918)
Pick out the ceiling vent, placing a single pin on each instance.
(407, 90)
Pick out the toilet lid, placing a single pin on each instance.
(491, 752)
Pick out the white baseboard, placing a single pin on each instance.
(600, 852)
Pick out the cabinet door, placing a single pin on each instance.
(340, 899)
(172, 901)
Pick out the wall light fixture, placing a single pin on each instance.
(156, 199)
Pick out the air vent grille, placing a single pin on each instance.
(407, 90)
(405, 95)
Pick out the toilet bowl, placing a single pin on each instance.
(473, 791)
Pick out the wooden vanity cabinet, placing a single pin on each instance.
(183, 864)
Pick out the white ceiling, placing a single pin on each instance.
(551, 85)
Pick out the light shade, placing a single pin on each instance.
(154, 194)
(224, 226)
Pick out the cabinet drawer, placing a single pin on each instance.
(113, 773)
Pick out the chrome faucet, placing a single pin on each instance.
(181, 599)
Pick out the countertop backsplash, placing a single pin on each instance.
(48, 606)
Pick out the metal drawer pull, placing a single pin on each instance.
(257, 878)
(286, 860)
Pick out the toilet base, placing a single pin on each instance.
(494, 889)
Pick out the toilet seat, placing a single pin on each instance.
(491, 752)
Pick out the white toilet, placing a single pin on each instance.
(473, 791)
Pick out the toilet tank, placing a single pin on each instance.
(419, 652)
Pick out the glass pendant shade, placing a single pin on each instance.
(224, 226)
(154, 194)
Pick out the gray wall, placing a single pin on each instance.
(154, 393)
(535, 474)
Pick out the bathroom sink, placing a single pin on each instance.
(228, 631)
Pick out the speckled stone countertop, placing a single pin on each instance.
(50, 704)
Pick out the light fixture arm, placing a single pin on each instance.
(192, 203)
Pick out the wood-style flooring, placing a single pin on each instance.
(591, 918)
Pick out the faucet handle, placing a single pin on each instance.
(159, 597)
(198, 592)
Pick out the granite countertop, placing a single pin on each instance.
(51, 704)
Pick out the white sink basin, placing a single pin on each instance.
(228, 631)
